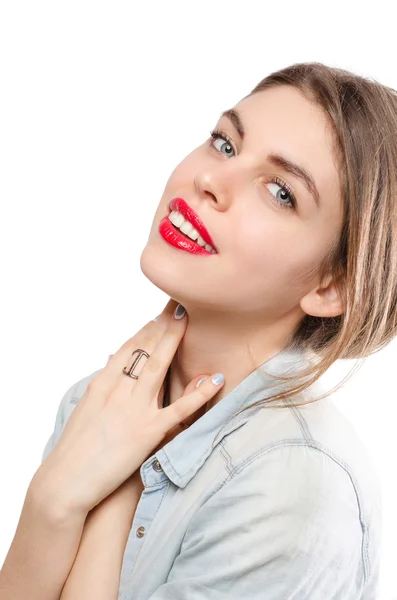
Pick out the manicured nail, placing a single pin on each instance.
(218, 378)
(180, 312)
(201, 381)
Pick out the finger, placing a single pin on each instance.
(168, 310)
(146, 339)
(187, 405)
(156, 367)
(174, 431)
(188, 389)
(191, 387)
(152, 328)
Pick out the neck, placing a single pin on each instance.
(233, 346)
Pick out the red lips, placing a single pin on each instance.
(174, 237)
(190, 215)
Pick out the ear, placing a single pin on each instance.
(324, 301)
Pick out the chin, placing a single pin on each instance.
(156, 266)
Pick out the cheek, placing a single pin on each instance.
(261, 241)
(283, 254)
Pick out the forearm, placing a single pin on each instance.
(42, 552)
(96, 571)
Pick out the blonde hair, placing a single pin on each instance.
(363, 260)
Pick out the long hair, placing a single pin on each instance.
(363, 260)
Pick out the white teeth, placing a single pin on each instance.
(187, 228)
(177, 219)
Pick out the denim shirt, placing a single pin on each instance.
(283, 504)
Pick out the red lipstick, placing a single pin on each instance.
(176, 238)
(190, 215)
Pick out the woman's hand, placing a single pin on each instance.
(119, 420)
(96, 571)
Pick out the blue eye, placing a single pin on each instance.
(282, 192)
(285, 190)
(226, 140)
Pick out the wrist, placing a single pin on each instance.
(47, 494)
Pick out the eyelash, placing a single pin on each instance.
(216, 133)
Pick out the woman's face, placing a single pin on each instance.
(267, 250)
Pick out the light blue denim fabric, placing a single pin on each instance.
(284, 505)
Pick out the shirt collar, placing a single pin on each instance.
(179, 465)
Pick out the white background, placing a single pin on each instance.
(98, 103)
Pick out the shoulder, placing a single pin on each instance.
(315, 443)
(308, 490)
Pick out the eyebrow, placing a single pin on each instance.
(278, 160)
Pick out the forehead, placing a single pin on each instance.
(283, 120)
(286, 111)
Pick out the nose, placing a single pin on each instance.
(217, 185)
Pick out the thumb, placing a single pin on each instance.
(192, 386)
(189, 389)
(192, 404)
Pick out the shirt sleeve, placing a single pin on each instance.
(65, 408)
(286, 525)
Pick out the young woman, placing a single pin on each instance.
(278, 235)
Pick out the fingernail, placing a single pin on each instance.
(201, 381)
(180, 312)
(218, 378)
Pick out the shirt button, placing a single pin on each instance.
(140, 532)
(156, 466)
